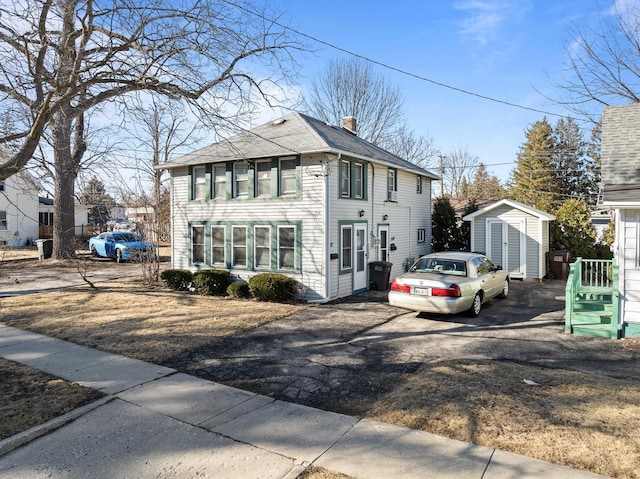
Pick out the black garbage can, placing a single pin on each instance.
(558, 264)
(379, 272)
(45, 248)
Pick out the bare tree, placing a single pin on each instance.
(350, 87)
(457, 168)
(60, 59)
(419, 150)
(605, 65)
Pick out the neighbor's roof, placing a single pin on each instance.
(294, 134)
(514, 204)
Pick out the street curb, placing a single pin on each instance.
(22, 438)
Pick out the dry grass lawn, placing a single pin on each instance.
(580, 420)
(29, 397)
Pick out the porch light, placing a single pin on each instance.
(361, 213)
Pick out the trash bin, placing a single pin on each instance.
(45, 248)
(379, 272)
(558, 264)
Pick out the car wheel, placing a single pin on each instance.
(505, 290)
(118, 256)
(94, 253)
(476, 306)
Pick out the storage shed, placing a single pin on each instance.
(514, 236)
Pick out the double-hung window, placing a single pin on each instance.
(392, 185)
(199, 183)
(345, 184)
(286, 247)
(240, 180)
(239, 245)
(218, 256)
(358, 180)
(197, 244)
(262, 247)
(263, 178)
(220, 181)
(288, 176)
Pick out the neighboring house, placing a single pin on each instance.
(303, 198)
(621, 193)
(18, 210)
(513, 235)
(600, 219)
(45, 219)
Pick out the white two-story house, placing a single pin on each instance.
(303, 198)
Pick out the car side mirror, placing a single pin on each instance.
(498, 268)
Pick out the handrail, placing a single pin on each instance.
(616, 324)
(575, 272)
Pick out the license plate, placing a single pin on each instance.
(422, 291)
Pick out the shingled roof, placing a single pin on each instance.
(293, 134)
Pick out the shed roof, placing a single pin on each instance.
(513, 204)
(293, 134)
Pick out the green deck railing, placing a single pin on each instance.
(593, 278)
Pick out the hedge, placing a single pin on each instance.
(178, 279)
(273, 287)
(212, 282)
(239, 289)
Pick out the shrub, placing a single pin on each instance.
(272, 287)
(178, 279)
(239, 289)
(212, 282)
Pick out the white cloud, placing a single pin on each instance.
(486, 18)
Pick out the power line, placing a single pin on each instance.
(392, 68)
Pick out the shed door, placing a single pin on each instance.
(506, 245)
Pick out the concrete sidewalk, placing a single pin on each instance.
(156, 422)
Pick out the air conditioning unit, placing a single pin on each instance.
(392, 196)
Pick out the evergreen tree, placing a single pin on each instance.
(95, 194)
(465, 227)
(573, 230)
(532, 182)
(445, 233)
(483, 186)
(594, 163)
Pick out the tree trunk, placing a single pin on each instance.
(64, 183)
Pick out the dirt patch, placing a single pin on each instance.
(320, 473)
(29, 397)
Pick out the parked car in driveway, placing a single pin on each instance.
(121, 246)
(449, 283)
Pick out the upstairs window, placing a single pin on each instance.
(288, 176)
(220, 181)
(345, 184)
(262, 185)
(240, 180)
(392, 185)
(199, 183)
(419, 185)
(358, 180)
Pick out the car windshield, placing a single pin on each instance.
(125, 237)
(440, 265)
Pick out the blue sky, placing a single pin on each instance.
(512, 50)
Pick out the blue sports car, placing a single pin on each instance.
(121, 246)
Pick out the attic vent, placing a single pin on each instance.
(279, 121)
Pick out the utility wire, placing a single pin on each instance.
(392, 68)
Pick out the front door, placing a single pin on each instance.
(360, 258)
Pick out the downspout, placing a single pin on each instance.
(327, 239)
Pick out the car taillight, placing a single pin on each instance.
(395, 286)
(452, 291)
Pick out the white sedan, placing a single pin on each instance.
(449, 283)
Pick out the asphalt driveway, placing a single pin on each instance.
(361, 347)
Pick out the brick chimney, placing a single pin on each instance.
(349, 124)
